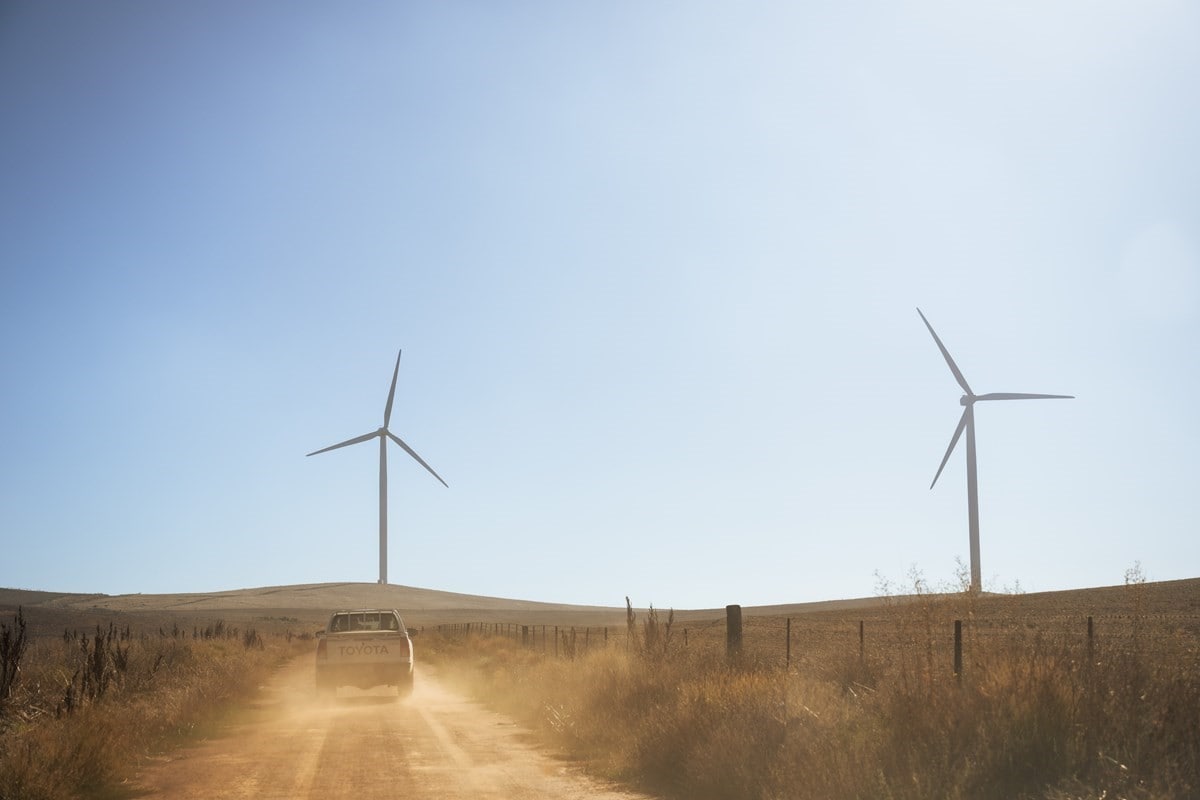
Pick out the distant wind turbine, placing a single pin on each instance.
(967, 421)
(383, 434)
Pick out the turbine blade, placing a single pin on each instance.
(958, 376)
(355, 440)
(962, 423)
(387, 412)
(1012, 396)
(420, 460)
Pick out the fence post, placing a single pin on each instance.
(1091, 647)
(685, 637)
(861, 640)
(733, 632)
(789, 642)
(556, 641)
(524, 636)
(958, 649)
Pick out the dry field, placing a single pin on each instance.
(79, 710)
(1039, 710)
(91, 686)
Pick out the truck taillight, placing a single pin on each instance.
(321, 647)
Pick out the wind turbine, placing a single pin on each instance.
(967, 422)
(383, 434)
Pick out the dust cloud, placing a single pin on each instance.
(369, 744)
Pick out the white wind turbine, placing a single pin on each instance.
(383, 434)
(967, 421)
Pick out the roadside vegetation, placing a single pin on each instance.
(78, 711)
(1039, 711)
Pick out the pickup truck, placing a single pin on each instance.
(365, 648)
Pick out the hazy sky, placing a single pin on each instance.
(654, 267)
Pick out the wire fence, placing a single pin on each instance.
(940, 636)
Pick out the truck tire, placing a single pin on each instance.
(404, 686)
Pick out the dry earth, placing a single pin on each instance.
(299, 607)
(306, 607)
(438, 744)
(367, 745)
(310, 604)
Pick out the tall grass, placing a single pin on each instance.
(84, 708)
(1032, 717)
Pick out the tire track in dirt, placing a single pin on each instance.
(367, 745)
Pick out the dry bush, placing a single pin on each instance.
(12, 649)
(1033, 715)
(87, 707)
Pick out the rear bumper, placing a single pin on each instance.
(364, 676)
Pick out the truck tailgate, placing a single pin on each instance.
(367, 647)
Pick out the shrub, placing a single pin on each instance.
(90, 706)
(12, 650)
(1032, 717)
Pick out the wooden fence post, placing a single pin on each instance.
(1091, 646)
(789, 642)
(556, 641)
(733, 632)
(861, 640)
(958, 649)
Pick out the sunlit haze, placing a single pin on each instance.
(654, 268)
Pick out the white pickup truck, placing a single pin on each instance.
(365, 648)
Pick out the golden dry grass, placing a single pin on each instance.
(88, 705)
(1035, 715)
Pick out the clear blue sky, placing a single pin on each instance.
(654, 267)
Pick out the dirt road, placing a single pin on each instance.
(367, 745)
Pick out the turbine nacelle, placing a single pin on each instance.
(966, 400)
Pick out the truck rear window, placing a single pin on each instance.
(365, 621)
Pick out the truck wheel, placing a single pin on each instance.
(404, 686)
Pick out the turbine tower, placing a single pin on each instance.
(383, 434)
(967, 422)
